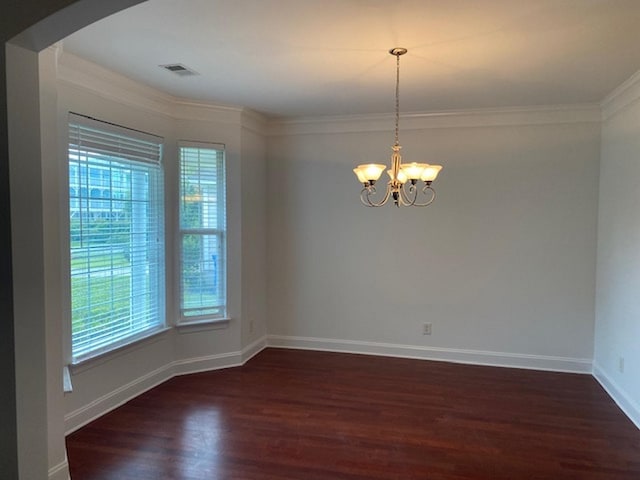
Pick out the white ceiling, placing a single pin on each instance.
(329, 57)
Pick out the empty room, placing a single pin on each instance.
(321, 239)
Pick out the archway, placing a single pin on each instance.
(31, 445)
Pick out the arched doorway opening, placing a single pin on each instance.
(32, 436)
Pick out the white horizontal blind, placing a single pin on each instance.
(116, 235)
(202, 232)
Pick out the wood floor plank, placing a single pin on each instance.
(303, 415)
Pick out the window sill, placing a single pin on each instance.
(91, 360)
(200, 325)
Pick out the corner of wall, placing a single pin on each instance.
(629, 406)
(625, 95)
(616, 356)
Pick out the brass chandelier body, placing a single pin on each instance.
(403, 187)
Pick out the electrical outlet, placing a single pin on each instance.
(621, 364)
(426, 329)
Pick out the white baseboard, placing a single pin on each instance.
(207, 363)
(112, 400)
(104, 404)
(630, 408)
(223, 360)
(60, 471)
(253, 349)
(476, 357)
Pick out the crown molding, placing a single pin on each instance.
(79, 73)
(627, 94)
(183, 109)
(544, 115)
(82, 74)
(88, 76)
(254, 121)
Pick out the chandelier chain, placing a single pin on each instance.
(397, 99)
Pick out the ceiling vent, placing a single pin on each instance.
(179, 69)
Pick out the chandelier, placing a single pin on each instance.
(403, 185)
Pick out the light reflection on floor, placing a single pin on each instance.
(201, 444)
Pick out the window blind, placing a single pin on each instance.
(116, 235)
(203, 232)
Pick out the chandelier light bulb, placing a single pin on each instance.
(400, 177)
(430, 173)
(369, 172)
(413, 171)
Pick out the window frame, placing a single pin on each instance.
(222, 234)
(157, 200)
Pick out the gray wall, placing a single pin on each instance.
(254, 236)
(503, 261)
(617, 331)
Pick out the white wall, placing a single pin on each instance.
(502, 264)
(28, 261)
(617, 331)
(49, 135)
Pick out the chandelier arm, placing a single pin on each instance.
(430, 201)
(365, 196)
(406, 197)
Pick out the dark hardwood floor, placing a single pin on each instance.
(301, 415)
